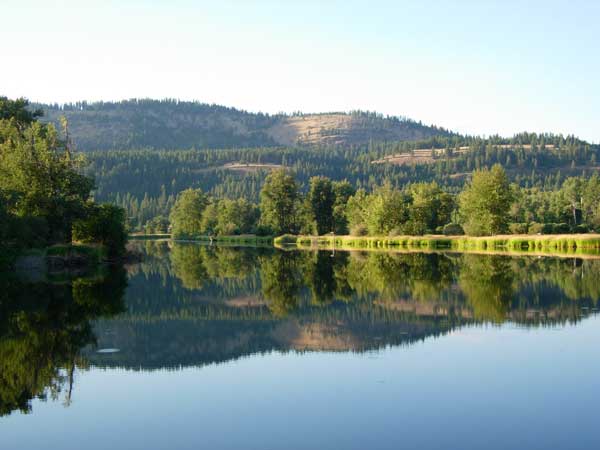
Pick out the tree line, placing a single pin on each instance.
(489, 204)
(146, 182)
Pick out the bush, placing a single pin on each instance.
(395, 232)
(286, 239)
(157, 225)
(517, 228)
(104, 224)
(560, 228)
(548, 228)
(359, 230)
(536, 228)
(453, 229)
(263, 230)
(582, 228)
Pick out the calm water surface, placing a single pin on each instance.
(256, 348)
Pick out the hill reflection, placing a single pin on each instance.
(191, 305)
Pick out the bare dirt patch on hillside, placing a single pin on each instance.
(250, 167)
(429, 155)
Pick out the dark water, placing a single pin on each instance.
(227, 348)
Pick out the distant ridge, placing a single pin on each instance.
(173, 124)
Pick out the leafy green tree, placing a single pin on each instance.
(42, 179)
(6, 221)
(236, 217)
(342, 190)
(186, 216)
(431, 208)
(279, 199)
(103, 224)
(572, 190)
(321, 197)
(158, 224)
(591, 202)
(485, 203)
(357, 210)
(210, 219)
(387, 211)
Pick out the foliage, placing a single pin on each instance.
(18, 110)
(321, 198)
(103, 224)
(485, 203)
(157, 225)
(186, 216)
(279, 202)
(235, 217)
(342, 190)
(453, 229)
(41, 178)
(430, 208)
(43, 192)
(146, 182)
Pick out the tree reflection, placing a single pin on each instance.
(253, 300)
(321, 277)
(187, 263)
(488, 285)
(43, 328)
(281, 281)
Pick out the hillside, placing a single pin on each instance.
(171, 124)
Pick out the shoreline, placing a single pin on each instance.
(556, 245)
(559, 245)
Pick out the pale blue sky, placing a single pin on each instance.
(472, 66)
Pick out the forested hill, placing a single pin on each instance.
(173, 124)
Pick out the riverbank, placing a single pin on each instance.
(560, 243)
(59, 262)
(151, 237)
(230, 239)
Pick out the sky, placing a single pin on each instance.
(476, 67)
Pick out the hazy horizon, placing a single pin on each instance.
(478, 68)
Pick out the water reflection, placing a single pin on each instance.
(193, 305)
(43, 328)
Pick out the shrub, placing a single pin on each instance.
(453, 229)
(359, 230)
(263, 230)
(582, 228)
(396, 231)
(286, 239)
(536, 228)
(548, 228)
(559, 228)
(517, 228)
